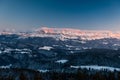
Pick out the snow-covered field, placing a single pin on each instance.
(96, 67)
(46, 48)
(62, 61)
(43, 71)
(7, 66)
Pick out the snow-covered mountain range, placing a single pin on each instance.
(68, 33)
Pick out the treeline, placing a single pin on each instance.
(19, 74)
(81, 74)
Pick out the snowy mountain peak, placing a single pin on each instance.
(76, 33)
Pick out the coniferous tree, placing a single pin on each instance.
(37, 76)
(23, 77)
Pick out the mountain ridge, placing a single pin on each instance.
(67, 33)
(76, 33)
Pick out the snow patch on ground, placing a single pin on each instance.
(22, 51)
(116, 44)
(86, 48)
(46, 48)
(118, 56)
(55, 45)
(95, 67)
(43, 71)
(62, 61)
(7, 66)
(83, 42)
(69, 46)
(105, 43)
(0, 52)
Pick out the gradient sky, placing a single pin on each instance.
(81, 14)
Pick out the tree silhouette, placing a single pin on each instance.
(23, 77)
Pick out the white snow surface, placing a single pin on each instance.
(0, 52)
(116, 44)
(105, 43)
(43, 71)
(96, 67)
(7, 66)
(62, 61)
(46, 48)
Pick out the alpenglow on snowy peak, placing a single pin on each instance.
(69, 33)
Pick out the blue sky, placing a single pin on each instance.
(81, 14)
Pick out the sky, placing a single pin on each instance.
(80, 14)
